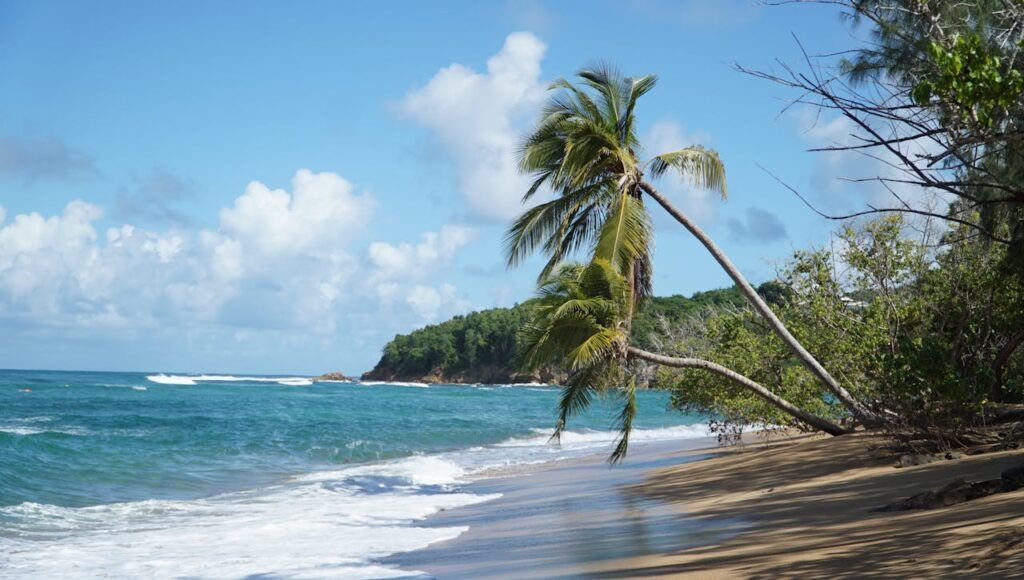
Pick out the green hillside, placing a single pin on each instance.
(481, 346)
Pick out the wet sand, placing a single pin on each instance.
(563, 520)
(798, 508)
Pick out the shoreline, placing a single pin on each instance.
(210, 481)
(804, 506)
(552, 519)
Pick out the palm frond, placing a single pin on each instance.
(696, 164)
(577, 395)
(536, 226)
(625, 421)
(638, 87)
(594, 348)
(625, 235)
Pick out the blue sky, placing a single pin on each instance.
(271, 187)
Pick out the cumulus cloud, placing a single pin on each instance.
(319, 214)
(428, 301)
(756, 225)
(405, 260)
(396, 265)
(59, 271)
(475, 117)
(31, 159)
(291, 248)
(279, 259)
(665, 136)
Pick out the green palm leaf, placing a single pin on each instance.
(626, 234)
(625, 421)
(701, 166)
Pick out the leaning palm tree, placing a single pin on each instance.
(580, 318)
(585, 149)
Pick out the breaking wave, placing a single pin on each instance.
(195, 379)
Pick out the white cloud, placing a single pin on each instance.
(428, 302)
(57, 271)
(282, 266)
(320, 214)
(476, 116)
(424, 300)
(398, 267)
(407, 261)
(665, 136)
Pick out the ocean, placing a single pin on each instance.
(108, 474)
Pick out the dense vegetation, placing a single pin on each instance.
(489, 338)
(481, 338)
(929, 337)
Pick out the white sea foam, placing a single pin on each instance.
(295, 382)
(350, 517)
(588, 439)
(394, 384)
(194, 379)
(230, 536)
(170, 380)
(449, 469)
(418, 470)
(532, 385)
(18, 430)
(133, 387)
(21, 430)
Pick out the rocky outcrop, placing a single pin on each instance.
(334, 376)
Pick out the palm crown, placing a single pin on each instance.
(579, 320)
(585, 149)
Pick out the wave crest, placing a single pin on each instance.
(164, 379)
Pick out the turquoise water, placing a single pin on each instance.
(107, 470)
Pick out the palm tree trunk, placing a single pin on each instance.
(776, 401)
(861, 412)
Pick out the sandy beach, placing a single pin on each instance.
(799, 507)
(559, 520)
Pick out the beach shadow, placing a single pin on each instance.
(829, 531)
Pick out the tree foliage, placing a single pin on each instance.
(924, 332)
(491, 337)
(484, 338)
(937, 94)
